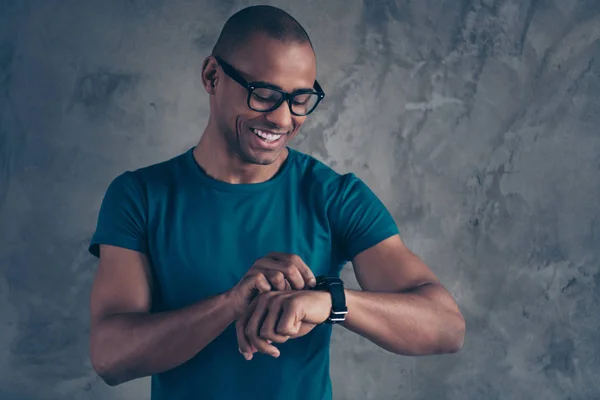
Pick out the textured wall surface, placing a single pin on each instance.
(476, 121)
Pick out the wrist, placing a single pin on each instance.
(324, 298)
(350, 300)
(232, 303)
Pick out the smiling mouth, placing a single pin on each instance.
(267, 136)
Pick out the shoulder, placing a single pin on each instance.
(318, 175)
(157, 175)
(337, 190)
(137, 186)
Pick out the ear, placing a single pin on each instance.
(209, 74)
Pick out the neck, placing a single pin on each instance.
(222, 163)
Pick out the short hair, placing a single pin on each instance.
(269, 20)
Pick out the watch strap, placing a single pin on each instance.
(335, 287)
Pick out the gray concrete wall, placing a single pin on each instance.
(476, 121)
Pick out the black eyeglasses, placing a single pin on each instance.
(264, 97)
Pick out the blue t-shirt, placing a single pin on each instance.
(201, 235)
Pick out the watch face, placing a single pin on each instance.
(328, 283)
(331, 280)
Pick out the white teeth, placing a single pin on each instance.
(269, 137)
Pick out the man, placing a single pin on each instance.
(208, 261)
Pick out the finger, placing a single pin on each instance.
(290, 321)
(252, 329)
(244, 322)
(275, 278)
(307, 275)
(287, 268)
(268, 328)
(262, 283)
(258, 284)
(305, 327)
(244, 344)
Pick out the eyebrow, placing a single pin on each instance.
(263, 83)
(272, 85)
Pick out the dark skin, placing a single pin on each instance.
(225, 150)
(407, 310)
(127, 341)
(403, 307)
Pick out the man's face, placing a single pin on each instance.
(288, 66)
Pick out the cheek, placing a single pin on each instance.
(230, 117)
(231, 103)
(297, 124)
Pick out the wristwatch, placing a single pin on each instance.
(335, 286)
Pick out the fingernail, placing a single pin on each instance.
(247, 356)
(312, 282)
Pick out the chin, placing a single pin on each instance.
(260, 159)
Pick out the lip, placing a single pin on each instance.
(268, 131)
(259, 143)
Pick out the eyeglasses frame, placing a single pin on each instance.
(230, 71)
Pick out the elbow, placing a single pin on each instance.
(110, 381)
(106, 367)
(447, 339)
(107, 358)
(454, 337)
(106, 371)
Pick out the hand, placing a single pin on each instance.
(279, 316)
(276, 271)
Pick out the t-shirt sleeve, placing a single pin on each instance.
(360, 219)
(122, 216)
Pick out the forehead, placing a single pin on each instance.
(289, 65)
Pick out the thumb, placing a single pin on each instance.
(261, 284)
(256, 285)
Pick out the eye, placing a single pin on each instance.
(259, 97)
(266, 95)
(301, 99)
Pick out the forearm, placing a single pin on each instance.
(130, 346)
(420, 322)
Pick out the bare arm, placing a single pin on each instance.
(403, 308)
(126, 341)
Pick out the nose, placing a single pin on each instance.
(281, 116)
